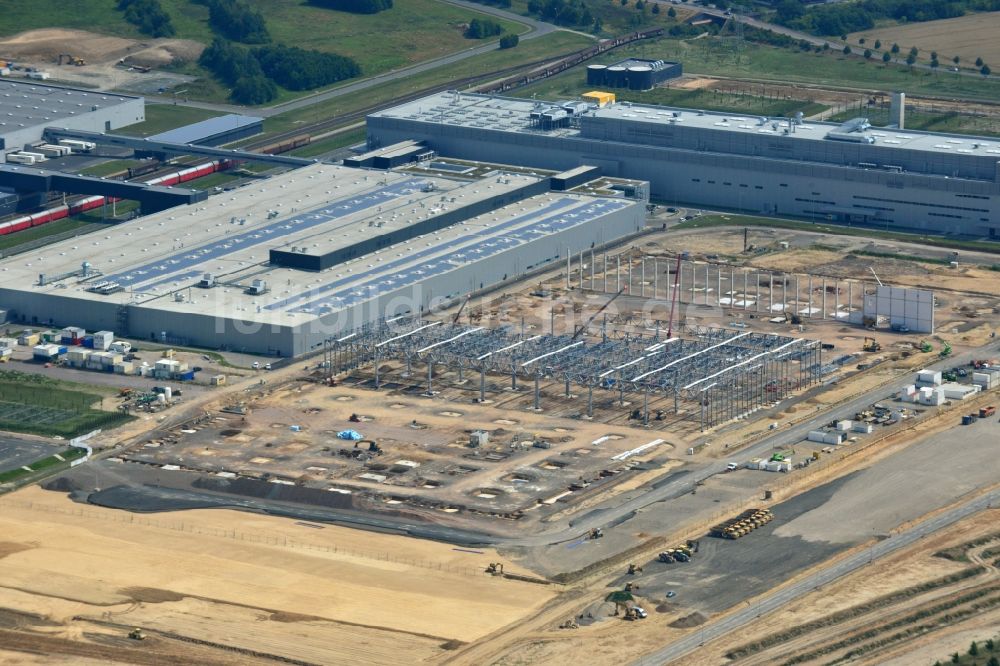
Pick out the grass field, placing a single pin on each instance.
(50, 229)
(50, 411)
(43, 464)
(970, 37)
(710, 57)
(109, 167)
(341, 140)
(726, 220)
(573, 84)
(163, 117)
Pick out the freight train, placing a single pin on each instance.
(89, 203)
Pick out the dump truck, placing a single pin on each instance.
(985, 412)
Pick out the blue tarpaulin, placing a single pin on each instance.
(352, 435)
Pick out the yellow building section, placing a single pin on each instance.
(601, 99)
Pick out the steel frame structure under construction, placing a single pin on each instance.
(719, 373)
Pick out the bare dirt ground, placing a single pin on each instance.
(970, 37)
(41, 49)
(90, 574)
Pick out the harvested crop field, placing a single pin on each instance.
(296, 591)
(970, 37)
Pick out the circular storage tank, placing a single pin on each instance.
(640, 78)
(617, 77)
(596, 75)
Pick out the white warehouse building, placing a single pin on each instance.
(280, 266)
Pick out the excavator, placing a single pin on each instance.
(871, 345)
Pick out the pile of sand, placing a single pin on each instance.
(693, 620)
(46, 45)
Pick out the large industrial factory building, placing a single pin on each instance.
(280, 266)
(26, 109)
(896, 179)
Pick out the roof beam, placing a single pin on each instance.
(551, 353)
(451, 339)
(690, 356)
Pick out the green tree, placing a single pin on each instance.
(990, 645)
(846, 50)
(509, 41)
(934, 55)
(895, 48)
(979, 62)
(956, 60)
(878, 44)
(911, 59)
(913, 51)
(640, 4)
(934, 63)
(355, 6)
(862, 41)
(985, 70)
(482, 28)
(886, 58)
(868, 54)
(993, 661)
(672, 13)
(973, 649)
(955, 658)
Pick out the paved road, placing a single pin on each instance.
(773, 602)
(536, 29)
(566, 530)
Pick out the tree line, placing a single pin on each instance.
(148, 16)
(573, 13)
(238, 21)
(255, 73)
(355, 6)
(844, 18)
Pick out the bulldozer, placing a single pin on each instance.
(871, 345)
(925, 347)
(945, 351)
(634, 569)
(137, 634)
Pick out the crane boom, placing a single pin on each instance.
(594, 316)
(673, 300)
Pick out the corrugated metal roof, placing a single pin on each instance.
(204, 129)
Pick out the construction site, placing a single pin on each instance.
(491, 414)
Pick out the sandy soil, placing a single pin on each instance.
(384, 600)
(970, 37)
(41, 49)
